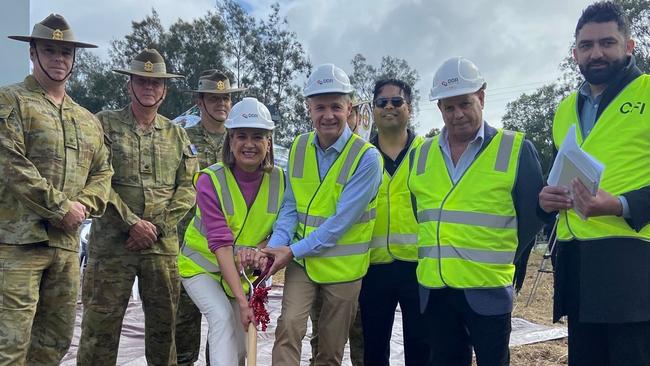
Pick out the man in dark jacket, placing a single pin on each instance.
(603, 274)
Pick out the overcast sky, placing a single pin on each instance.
(516, 44)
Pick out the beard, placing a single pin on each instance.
(602, 75)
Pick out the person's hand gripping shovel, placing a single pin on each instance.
(257, 297)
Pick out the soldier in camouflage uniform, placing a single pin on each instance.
(55, 172)
(214, 102)
(154, 162)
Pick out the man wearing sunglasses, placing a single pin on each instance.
(476, 191)
(391, 277)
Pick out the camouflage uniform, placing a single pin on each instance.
(50, 155)
(188, 317)
(152, 181)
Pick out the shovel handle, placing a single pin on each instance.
(251, 352)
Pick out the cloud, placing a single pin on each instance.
(516, 44)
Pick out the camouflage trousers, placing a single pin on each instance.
(356, 334)
(188, 330)
(106, 291)
(38, 295)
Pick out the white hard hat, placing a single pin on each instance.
(456, 76)
(249, 113)
(327, 78)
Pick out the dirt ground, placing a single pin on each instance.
(540, 311)
(549, 353)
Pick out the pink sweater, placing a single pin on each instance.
(218, 233)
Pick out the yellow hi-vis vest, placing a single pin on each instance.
(467, 235)
(316, 201)
(621, 141)
(249, 226)
(395, 235)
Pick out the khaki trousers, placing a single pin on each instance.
(339, 309)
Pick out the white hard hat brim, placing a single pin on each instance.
(326, 91)
(230, 125)
(455, 93)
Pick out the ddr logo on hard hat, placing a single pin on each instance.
(249, 115)
(324, 81)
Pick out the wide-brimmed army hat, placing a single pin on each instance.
(215, 82)
(150, 64)
(53, 28)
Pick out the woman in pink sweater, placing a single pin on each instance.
(237, 203)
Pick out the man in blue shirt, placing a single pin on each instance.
(329, 104)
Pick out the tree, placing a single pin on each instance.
(242, 38)
(93, 85)
(533, 114)
(278, 59)
(433, 132)
(638, 11)
(264, 55)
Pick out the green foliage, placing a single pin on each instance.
(277, 59)
(433, 132)
(533, 114)
(263, 55)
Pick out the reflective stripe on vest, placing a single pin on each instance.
(467, 234)
(347, 259)
(620, 141)
(474, 255)
(468, 218)
(199, 259)
(394, 239)
(317, 221)
(343, 250)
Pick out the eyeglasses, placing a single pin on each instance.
(395, 101)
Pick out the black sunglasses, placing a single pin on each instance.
(395, 101)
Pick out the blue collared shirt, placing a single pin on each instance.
(587, 121)
(589, 109)
(358, 192)
(457, 170)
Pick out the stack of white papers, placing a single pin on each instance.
(572, 162)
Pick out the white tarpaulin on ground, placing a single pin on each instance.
(131, 351)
